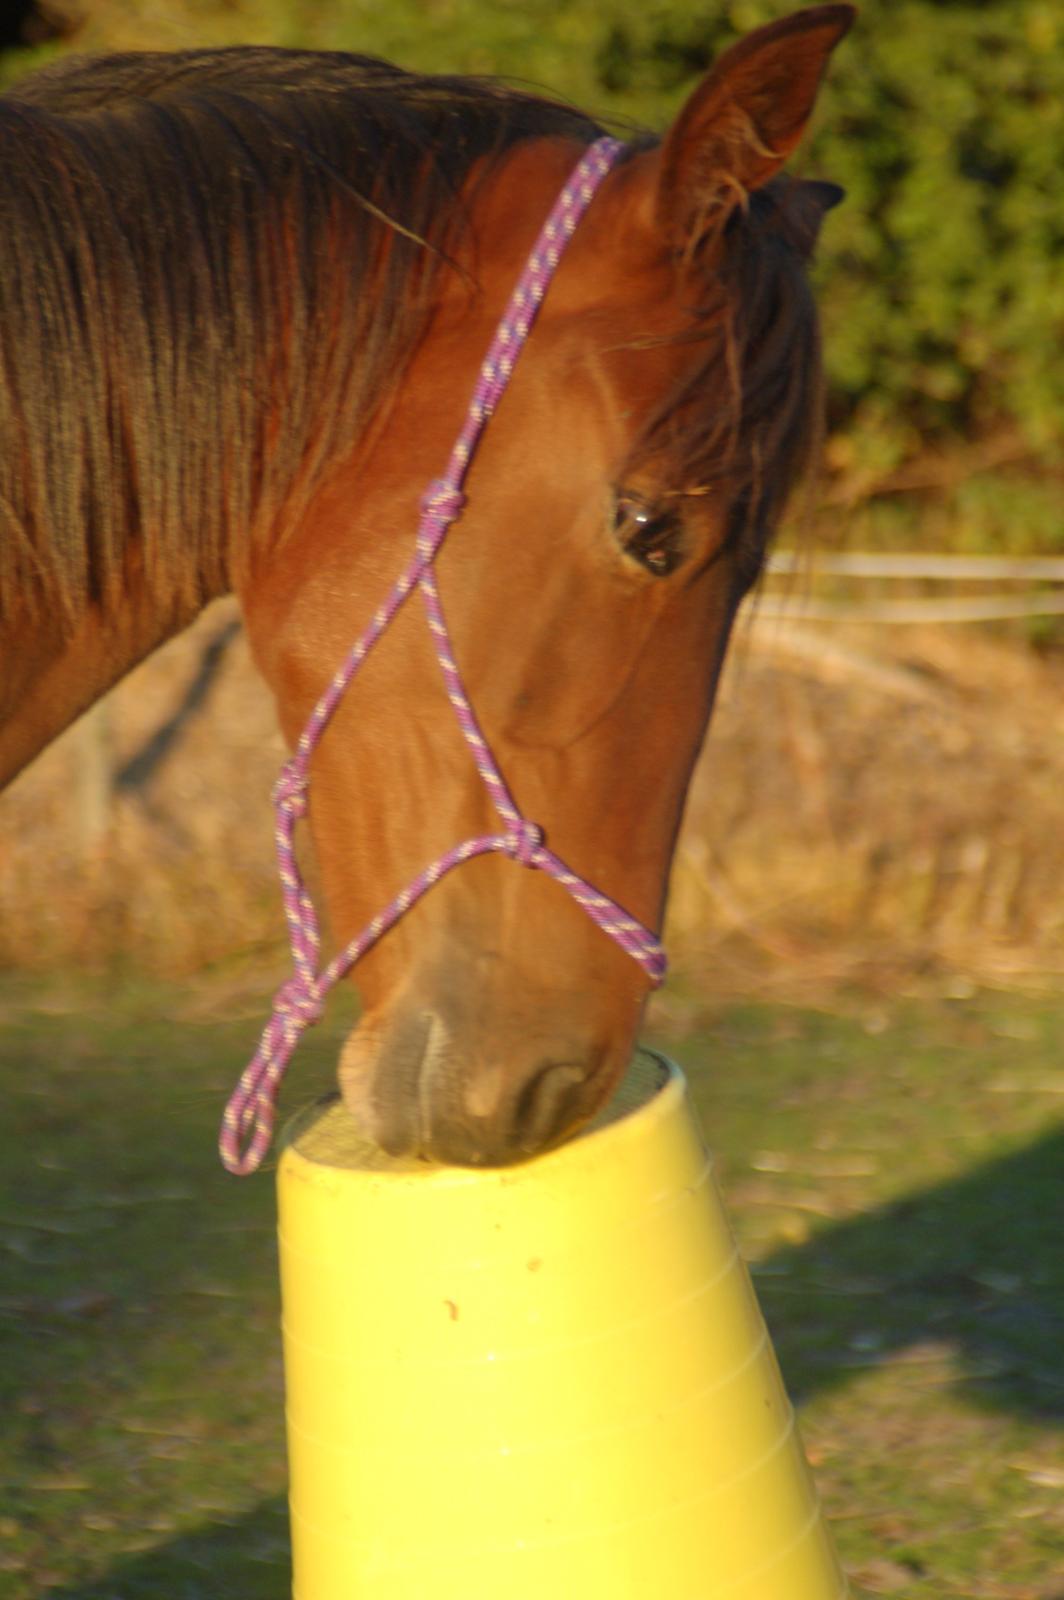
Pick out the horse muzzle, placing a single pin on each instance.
(422, 1085)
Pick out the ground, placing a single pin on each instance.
(895, 1175)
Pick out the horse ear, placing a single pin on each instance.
(744, 120)
(803, 205)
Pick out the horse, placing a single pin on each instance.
(244, 294)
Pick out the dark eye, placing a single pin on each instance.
(647, 533)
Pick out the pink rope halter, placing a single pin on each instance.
(247, 1125)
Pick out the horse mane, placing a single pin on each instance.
(754, 318)
(215, 265)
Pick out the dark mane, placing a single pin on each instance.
(179, 354)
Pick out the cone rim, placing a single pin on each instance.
(592, 1142)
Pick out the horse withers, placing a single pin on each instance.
(244, 298)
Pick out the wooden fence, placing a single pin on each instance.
(1005, 603)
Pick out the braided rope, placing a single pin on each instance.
(247, 1125)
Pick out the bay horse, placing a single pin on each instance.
(243, 298)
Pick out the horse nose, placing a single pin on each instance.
(461, 1129)
(421, 1087)
(547, 1106)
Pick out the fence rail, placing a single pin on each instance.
(858, 564)
(919, 568)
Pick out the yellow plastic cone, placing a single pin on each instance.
(543, 1382)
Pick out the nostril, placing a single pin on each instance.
(547, 1105)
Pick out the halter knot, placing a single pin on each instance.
(290, 790)
(523, 840)
(442, 500)
(299, 999)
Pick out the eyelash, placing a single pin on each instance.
(648, 535)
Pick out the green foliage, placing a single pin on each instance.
(945, 301)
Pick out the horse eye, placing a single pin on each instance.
(647, 534)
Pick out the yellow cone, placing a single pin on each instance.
(545, 1382)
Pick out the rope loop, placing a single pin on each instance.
(290, 790)
(523, 841)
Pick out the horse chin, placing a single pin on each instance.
(413, 1089)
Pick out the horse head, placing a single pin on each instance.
(619, 507)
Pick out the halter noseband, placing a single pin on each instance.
(299, 1002)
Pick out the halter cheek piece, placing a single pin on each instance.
(247, 1125)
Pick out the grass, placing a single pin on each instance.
(895, 1177)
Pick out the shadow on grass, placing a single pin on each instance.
(975, 1265)
(245, 1558)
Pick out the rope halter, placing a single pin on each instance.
(247, 1125)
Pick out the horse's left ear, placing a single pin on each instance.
(744, 120)
(802, 206)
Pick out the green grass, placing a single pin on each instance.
(897, 1182)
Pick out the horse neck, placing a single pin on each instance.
(52, 674)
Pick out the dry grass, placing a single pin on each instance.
(877, 808)
(169, 873)
(873, 808)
